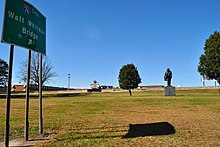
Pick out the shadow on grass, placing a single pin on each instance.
(153, 129)
(134, 130)
(22, 146)
(93, 137)
(66, 95)
(100, 128)
(38, 139)
(95, 133)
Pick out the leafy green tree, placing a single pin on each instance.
(209, 62)
(3, 72)
(129, 77)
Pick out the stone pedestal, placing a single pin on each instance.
(169, 91)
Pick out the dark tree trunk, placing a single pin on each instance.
(130, 92)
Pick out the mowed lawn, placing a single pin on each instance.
(103, 119)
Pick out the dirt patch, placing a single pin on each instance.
(33, 140)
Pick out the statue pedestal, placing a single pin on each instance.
(169, 91)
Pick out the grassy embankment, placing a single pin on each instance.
(102, 119)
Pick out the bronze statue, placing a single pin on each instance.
(168, 77)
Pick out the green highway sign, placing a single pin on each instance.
(24, 25)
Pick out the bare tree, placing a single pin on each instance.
(47, 70)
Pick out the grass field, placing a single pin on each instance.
(103, 119)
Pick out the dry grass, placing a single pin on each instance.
(102, 119)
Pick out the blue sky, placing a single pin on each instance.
(93, 39)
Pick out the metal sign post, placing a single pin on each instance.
(8, 101)
(27, 97)
(40, 97)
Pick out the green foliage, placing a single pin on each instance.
(209, 64)
(3, 72)
(129, 77)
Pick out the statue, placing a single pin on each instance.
(168, 77)
(95, 87)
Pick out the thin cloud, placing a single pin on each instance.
(92, 33)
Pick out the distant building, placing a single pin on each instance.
(22, 88)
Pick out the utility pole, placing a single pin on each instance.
(68, 81)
